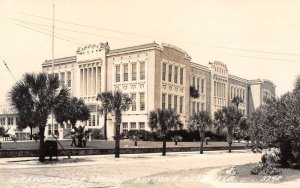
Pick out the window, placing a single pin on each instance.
(202, 85)
(142, 125)
(125, 66)
(97, 120)
(118, 76)
(181, 104)
(93, 120)
(163, 101)
(69, 79)
(56, 129)
(243, 95)
(133, 126)
(193, 107)
(62, 79)
(175, 103)
(125, 127)
(169, 102)
(170, 73)
(90, 121)
(194, 80)
(133, 67)
(198, 107)
(202, 106)
(10, 121)
(164, 72)
(181, 76)
(231, 92)
(133, 100)
(175, 74)
(198, 84)
(142, 101)
(235, 91)
(2, 121)
(142, 70)
(49, 129)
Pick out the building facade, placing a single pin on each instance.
(155, 76)
(8, 120)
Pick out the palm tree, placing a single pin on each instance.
(237, 100)
(22, 100)
(194, 93)
(229, 118)
(201, 121)
(106, 99)
(115, 102)
(162, 121)
(40, 90)
(78, 111)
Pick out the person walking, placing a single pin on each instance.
(73, 137)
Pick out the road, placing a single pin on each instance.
(139, 170)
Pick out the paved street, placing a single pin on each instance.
(173, 170)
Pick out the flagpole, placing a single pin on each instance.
(52, 128)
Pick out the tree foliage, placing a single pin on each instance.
(34, 98)
(163, 120)
(201, 121)
(115, 102)
(277, 124)
(194, 93)
(229, 118)
(236, 101)
(77, 111)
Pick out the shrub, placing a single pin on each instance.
(96, 134)
(264, 169)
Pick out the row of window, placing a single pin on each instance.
(9, 121)
(172, 99)
(133, 126)
(141, 101)
(198, 83)
(236, 91)
(64, 79)
(133, 68)
(197, 106)
(170, 73)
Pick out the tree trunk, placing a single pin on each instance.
(229, 147)
(164, 146)
(201, 142)
(42, 148)
(105, 126)
(118, 116)
(30, 133)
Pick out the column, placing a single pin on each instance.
(81, 81)
(96, 86)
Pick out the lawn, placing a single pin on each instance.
(101, 144)
(241, 173)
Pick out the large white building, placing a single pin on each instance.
(155, 76)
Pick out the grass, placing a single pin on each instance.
(242, 174)
(111, 144)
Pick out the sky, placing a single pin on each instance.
(256, 39)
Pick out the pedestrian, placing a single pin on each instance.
(73, 137)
